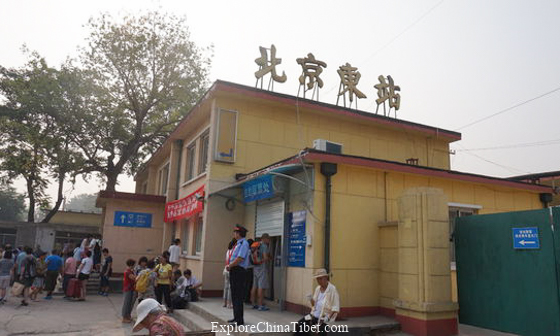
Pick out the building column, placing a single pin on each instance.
(424, 306)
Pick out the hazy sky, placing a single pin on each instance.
(456, 61)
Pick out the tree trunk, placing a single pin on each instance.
(31, 195)
(111, 180)
(59, 199)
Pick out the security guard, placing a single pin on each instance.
(237, 268)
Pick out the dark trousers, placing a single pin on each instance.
(164, 292)
(300, 327)
(238, 280)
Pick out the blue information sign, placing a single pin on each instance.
(526, 238)
(296, 239)
(257, 189)
(133, 219)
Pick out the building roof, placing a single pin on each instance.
(104, 195)
(220, 85)
(310, 154)
(552, 175)
(247, 91)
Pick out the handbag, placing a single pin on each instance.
(17, 288)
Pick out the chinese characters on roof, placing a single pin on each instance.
(310, 79)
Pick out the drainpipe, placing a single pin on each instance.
(329, 170)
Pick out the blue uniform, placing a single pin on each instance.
(242, 250)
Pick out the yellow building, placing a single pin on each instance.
(253, 157)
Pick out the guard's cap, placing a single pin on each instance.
(240, 228)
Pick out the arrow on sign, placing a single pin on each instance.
(122, 219)
(524, 242)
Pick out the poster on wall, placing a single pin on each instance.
(185, 207)
(133, 219)
(296, 239)
(226, 136)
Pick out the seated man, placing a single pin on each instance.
(325, 305)
(192, 285)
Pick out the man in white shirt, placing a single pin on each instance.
(174, 252)
(192, 284)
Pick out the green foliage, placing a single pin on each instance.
(35, 142)
(144, 75)
(83, 203)
(12, 204)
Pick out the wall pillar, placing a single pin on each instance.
(424, 306)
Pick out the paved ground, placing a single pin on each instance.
(97, 316)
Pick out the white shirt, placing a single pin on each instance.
(174, 253)
(87, 265)
(319, 304)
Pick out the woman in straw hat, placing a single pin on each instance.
(152, 316)
(325, 305)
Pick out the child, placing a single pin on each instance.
(128, 290)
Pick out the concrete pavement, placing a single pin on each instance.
(97, 315)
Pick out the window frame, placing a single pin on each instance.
(203, 152)
(185, 235)
(198, 235)
(162, 178)
(190, 163)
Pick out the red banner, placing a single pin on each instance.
(185, 207)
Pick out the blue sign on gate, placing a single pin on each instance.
(133, 219)
(526, 238)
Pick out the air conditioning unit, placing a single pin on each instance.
(327, 146)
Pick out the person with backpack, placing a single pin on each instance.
(146, 282)
(27, 273)
(40, 272)
(128, 291)
(260, 257)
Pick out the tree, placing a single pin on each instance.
(12, 204)
(36, 145)
(83, 202)
(144, 74)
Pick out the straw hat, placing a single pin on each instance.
(143, 309)
(320, 273)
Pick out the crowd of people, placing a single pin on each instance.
(31, 272)
(152, 282)
(160, 279)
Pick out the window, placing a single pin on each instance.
(185, 236)
(163, 179)
(198, 240)
(191, 149)
(455, 212)
(203, 154)
(144, 188)
(8, 236)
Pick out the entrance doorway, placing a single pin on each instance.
(274, 270)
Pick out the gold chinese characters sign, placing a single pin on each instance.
(310, 79)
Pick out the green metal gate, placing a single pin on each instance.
(507, 289)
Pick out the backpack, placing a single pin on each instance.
(255, 253)
(143, 281)
(29, 267)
